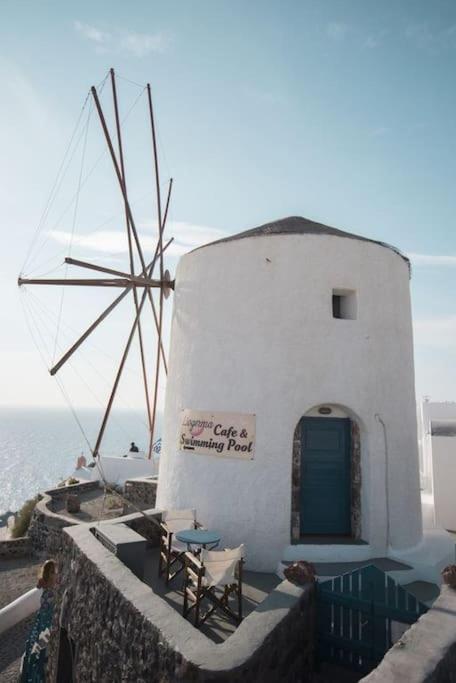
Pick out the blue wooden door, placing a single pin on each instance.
(325, 476)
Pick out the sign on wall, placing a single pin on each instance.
(226, 435)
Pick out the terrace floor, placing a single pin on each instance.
(256, 587)
(94, 506)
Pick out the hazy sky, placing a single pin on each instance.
(343, 112)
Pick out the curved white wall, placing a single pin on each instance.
(253, 332)
(21, 608)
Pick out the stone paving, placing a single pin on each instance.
(12, 644)
(17, 576)
(94, 506)
(255, 588)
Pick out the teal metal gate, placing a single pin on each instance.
(360, 616)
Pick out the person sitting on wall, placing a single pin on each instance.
(134, 448)
(33, 667)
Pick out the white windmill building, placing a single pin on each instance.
(290, 420)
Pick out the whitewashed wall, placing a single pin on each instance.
(117, 470)
(428, 412)
(444, 480)
(253, 332)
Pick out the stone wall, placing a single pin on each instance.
(141, 491)
(426, 653)
(149, 528)
(15, 547)
(123, 632)
(83, 487)
(45, 530)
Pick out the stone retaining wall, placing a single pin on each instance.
(45, 530)
(148, 528)
(61, 491)
(124, 632)
(426, 653)
(140, 491)
(15, 547)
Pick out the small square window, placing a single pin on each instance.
(344, 305)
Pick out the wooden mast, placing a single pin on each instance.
(124, 194)
(130, 247)
(160, 246)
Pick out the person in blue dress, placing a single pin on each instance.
(35, 657)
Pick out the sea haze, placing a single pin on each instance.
(39, 447)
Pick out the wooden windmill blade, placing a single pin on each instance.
(129, 281)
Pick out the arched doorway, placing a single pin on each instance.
(326, 477)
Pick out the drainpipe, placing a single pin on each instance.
(385, 438)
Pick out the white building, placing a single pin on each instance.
(308, 329)
(437, 438)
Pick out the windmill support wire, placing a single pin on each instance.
(127, 204)
(130, 245)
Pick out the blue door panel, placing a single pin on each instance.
(325, 476)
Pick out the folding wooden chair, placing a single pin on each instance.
(214, 576)
(172, 550)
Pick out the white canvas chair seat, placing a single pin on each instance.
(214, 576)
(171, 549)
(220, 566)
(178, 546)
(176, 524)
(174, 516)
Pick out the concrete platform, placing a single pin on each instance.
(255, 586)
(423, 591)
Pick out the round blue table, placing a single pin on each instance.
(201, 537)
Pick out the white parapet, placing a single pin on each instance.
(20, 609)
(435, 550)
(116, 470)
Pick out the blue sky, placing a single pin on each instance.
(343, 112)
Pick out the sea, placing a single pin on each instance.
(39, 447)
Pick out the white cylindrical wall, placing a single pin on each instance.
(253, 332)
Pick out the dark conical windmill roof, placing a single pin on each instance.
(297, 225)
